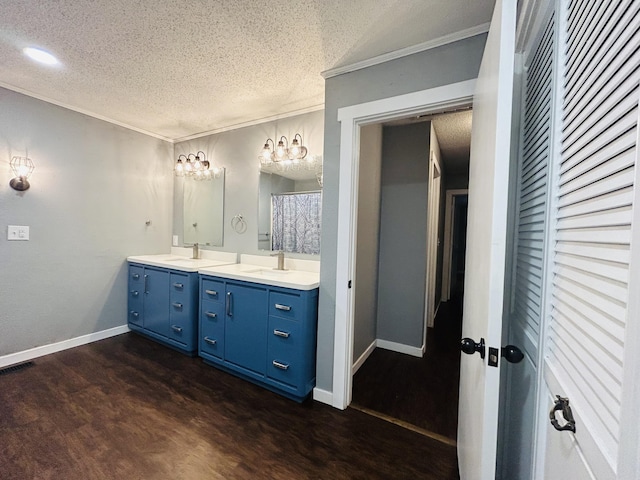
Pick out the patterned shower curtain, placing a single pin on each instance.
(296, 222)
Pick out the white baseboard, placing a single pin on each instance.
(323, 396)
(400, 348)
(363, 357)
(36, 352)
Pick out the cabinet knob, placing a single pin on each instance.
(211, 314)
(176, 329)
(210, 341)
(177, 304)
(211, 292)
(134, 293)
(136, 276)
(134, 314)
(178, 285)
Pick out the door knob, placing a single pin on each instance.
(470, 347)
(512, 354)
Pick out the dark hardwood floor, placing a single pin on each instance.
(419, 391)
(127, 408)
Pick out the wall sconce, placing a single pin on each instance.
(22, 169)
(195, 165)
(284, 155)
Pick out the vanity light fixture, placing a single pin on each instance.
(283, 154)
(195, 165)
(22, 169)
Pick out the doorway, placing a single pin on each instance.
(439, 99)
(409, 373)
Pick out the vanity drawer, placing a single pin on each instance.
(211, 339)
(284, 351)
(285, 305)
(212, 290)
(179, 284)
(136, 275)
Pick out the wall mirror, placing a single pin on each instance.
(290, 209)
(203, 210)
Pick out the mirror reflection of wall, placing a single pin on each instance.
(203, 211)
(289, 212)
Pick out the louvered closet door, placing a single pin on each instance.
(594, 173)
(529, 252)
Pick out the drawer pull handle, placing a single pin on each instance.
(176, 329)
(134, 314)
(281, 366)
(178, 285)
(211, 314)
(177, 304)
(134, 293)
(280, 333)
(286, 308)
(211, 292)
(210, 341)
(136, 276)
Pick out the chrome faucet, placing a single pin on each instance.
(280, 256)
(196, 251)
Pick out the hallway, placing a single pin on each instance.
(421, 392)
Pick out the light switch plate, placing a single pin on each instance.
(175, 241)
(17, 232)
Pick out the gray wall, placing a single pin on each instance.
(444, 65)
(94, 186)
(403, 233)
(237, 151)
(366, 281)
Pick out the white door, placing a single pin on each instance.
(591, 335)
(486, 247)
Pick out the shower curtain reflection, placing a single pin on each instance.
(296, 222)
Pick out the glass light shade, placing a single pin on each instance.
(188, 167)
(197, 164)
(280, 150)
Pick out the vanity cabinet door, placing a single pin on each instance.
(156, 313)
(246, 327)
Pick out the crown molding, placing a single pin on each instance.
(258, 121)
(83, 112)
(403, 52)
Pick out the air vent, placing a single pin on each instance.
(15, 368)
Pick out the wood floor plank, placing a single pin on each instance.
(126, 407)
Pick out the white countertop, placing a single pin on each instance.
(260, 269)
(178, 259)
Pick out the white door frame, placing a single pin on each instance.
(352, 117)
(448, 240)
(433, 222)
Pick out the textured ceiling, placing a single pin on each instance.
(181, 68)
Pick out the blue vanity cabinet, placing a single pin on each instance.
(163, 305)
(262, 333)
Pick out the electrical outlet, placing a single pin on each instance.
(175, 241)
(17, 232)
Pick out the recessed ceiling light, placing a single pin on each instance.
(40, 55)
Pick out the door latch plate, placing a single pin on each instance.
(493, 357)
